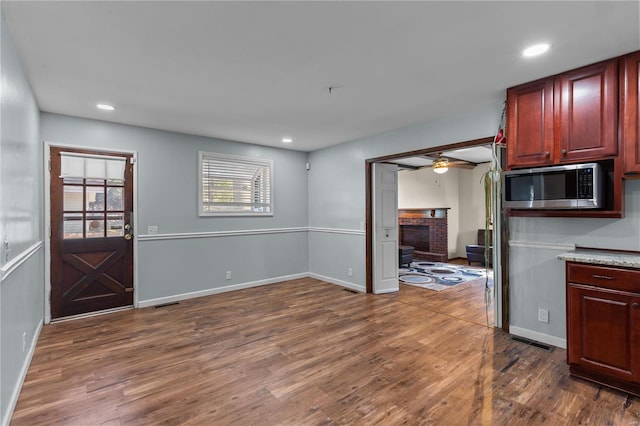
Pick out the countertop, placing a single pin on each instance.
(608, 258)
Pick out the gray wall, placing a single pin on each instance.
(190, 255)
(337, 187)
(22, 267)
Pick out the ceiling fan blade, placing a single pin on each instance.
(462, 165)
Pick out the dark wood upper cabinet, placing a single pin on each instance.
(565, 118)
(630, 113)
(587, 102)
(530, 124)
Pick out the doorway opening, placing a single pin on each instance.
(414, 222)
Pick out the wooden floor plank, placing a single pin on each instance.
(305, 352)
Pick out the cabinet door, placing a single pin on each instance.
(587, 102)
(630, 110)
(530, 131)
(602, 331)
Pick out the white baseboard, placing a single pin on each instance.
(23, 375)
(210, 291)
(341, 283)
(538, 337)
(385, 291)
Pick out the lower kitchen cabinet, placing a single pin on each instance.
(603, 325)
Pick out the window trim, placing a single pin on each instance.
(238, 159)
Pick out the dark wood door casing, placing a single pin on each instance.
(369, 218)
(90, 274)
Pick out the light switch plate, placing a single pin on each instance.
(152, 230)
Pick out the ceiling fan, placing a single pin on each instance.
(442, 164)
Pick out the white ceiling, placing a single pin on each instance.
(258, 71)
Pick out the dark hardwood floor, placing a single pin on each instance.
(304, 352)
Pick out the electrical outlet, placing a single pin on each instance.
(24, 341)
(350, 272)
(152, 230)
(543, 315)
(228, 275)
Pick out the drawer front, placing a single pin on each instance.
(604, 276)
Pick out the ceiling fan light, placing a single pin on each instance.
(440, 166)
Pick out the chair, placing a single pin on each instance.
(476, 252)
(405, 255)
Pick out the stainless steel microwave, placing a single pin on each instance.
(573, 186)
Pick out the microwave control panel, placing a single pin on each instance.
(585, 183)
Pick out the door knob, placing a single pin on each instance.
(127, 237)
(564, 151)
(636, 305)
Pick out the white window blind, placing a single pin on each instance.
(234, 186)
(89, 166)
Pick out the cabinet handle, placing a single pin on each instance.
(636, 305)
(564, 152)
(547, 154)
(603, 277)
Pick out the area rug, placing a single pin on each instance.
(439, 276)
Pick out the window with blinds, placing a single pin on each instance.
(234, 186)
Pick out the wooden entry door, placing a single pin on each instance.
(91, 236)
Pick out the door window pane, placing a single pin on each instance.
(95, 226)
(72, 225)
(115, 225)
(95, 198)
(114, 199)
(70, 180)
(72, 198)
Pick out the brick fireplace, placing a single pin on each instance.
(427, 231)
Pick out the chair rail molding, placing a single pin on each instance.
(542, 245)
(216, 234)
(337, 231)
(17, 261)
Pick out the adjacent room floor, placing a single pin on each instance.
(303, 352)
(464, 301)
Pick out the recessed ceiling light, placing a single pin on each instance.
(287, 140)
(535, 50)
(105, 107)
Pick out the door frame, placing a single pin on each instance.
(503, 293)
(47, 218)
